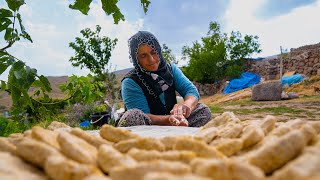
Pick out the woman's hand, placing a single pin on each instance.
(178, 121)
(179, 114)
(181, 109)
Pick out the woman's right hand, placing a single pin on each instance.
(178, 121)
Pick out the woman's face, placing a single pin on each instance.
(148, 58)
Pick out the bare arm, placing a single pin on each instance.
(189, 104)
(165, 120)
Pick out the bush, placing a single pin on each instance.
(8, 126)
(76, 113)
(218, 56)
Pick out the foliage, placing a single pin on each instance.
(8, 127)
(76, 113)
(218, 55)
(83, 89)
(21, 77)
(92, 51)
(109, 6)
(101, 108)
(167, 55)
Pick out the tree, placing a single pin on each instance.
(109, 6)
(167, 55)
(218, 56)
(21, 77)
(92, 51)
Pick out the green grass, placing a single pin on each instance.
(216, 109)
(317, 98)
(244, 102)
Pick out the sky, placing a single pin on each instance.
(52, 26)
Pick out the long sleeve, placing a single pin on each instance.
(133, 96)
(183, 85)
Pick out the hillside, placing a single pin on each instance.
(55, 81)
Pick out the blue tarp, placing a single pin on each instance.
(85, 124)
(291, 79)
(247, 79)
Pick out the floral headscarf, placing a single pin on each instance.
(155, 81)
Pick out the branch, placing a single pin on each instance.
(11, 42)
(6, 47)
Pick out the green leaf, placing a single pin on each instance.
(15, 93)
(3, 66)
(24, 34)
(18, 65)
(27, 98)
(3, 85)
(5, 13)
(5, 62)
(18, 74)
(7, 35)
(45, 82)
(110, 7)
(36, 93)
(81, 5)
(145, 5)
(3, 53)
(14, 5)
(4, 23)
(20, 22)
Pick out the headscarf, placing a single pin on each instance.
(155, 81)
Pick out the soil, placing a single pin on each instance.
(306, 107)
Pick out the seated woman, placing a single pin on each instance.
(149, 90)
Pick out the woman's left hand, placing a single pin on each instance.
(181, 110)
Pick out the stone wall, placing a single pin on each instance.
(209, 89)
(304, 60)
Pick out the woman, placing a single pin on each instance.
(149, 90)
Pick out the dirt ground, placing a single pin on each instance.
(306, 107)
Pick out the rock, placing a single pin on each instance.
(270, 91)
(284, 96)
(293, 95)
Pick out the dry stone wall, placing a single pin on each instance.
(304, 60)
(209, 89)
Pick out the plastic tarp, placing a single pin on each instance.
(246, 80)
(291, 79)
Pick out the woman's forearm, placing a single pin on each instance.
(191, 102)
(162, 120)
